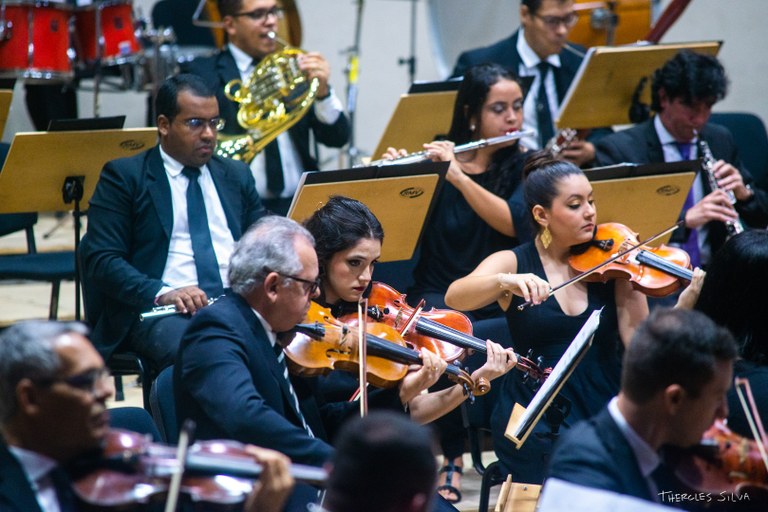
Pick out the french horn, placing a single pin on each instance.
(274, 97)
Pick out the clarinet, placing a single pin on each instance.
(733, 227)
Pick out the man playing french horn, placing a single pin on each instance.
(250, 26)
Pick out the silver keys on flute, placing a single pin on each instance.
(167, 310)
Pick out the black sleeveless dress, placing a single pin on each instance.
(548, 331)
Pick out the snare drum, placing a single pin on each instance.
(111, 23)
(34, 41)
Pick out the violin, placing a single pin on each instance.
(132, 470)
(432, 329)
(657, 273)
(723, 463)
(323, 343)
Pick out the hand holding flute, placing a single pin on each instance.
(186, 300)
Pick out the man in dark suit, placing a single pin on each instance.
(677, 370)
(53, 413)
(683, 93)
(162, 225)
(249, 25)
(540, 44)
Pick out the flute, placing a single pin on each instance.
(420, 156)
(167, 310)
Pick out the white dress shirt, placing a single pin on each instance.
(38, 468)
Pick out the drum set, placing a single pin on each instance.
(44, 41)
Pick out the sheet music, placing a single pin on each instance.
(557, 378)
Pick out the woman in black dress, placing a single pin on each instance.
(559, 199)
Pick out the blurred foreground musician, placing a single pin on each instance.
(539, 48)
(53, 392)
(677, 370)
(248, 25)
(162, 225)
(683, 93)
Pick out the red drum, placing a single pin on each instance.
(105, 31)
(34, 40)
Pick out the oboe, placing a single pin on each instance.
(420, 156)
(167, 310)
(734, 227)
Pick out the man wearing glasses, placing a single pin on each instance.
(250, 26)
(162, 226)
(539, 49)
(54, 389)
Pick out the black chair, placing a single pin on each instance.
(134, 419)
(52, 267)
(751, 140)
(120, 362)
(162, 404)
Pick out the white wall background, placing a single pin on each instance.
(445, 27)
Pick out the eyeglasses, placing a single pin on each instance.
(553, 22)
(310, 287)
(197, 123)
(86, 381)
(261, 14)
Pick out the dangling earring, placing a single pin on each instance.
(472, 127)
(545, 237)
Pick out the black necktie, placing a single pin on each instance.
(63, 487)
(208, 277)
(275, 181)
(543, 114)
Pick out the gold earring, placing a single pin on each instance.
(545, 237)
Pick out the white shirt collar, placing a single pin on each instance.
(243, 61)
(271, 335)
(529, 57)
(173, 167)
(36, 465)
(646, 456)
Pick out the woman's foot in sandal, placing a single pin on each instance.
(450, 480)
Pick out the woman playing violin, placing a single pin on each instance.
(348, 240)
(559, 199)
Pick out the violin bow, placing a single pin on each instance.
(752, 415)
(178, 472)
(362, 352)
(613, 258)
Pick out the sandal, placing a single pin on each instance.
(449, 469)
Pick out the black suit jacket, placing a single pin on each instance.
(640, 144)
(16, 493)
(505, 53)
(129, 228)
(227, 379)
(594, 453)
(220, 69)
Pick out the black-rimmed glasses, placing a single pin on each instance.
(553, 22)
(310, 287)
(86, 381)
(261, 14)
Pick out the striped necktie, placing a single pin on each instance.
(281, 360)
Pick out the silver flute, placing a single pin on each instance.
(168, 310)
(733, 227)
(420, 156)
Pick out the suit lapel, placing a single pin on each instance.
(267, 354)
(159, 189)
(15, 489)
(655, 152)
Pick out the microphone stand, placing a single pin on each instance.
(411, 60)
(352, 71)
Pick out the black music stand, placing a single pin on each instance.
(400, 196)
(48, 171)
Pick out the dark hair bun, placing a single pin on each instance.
(537, 160)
